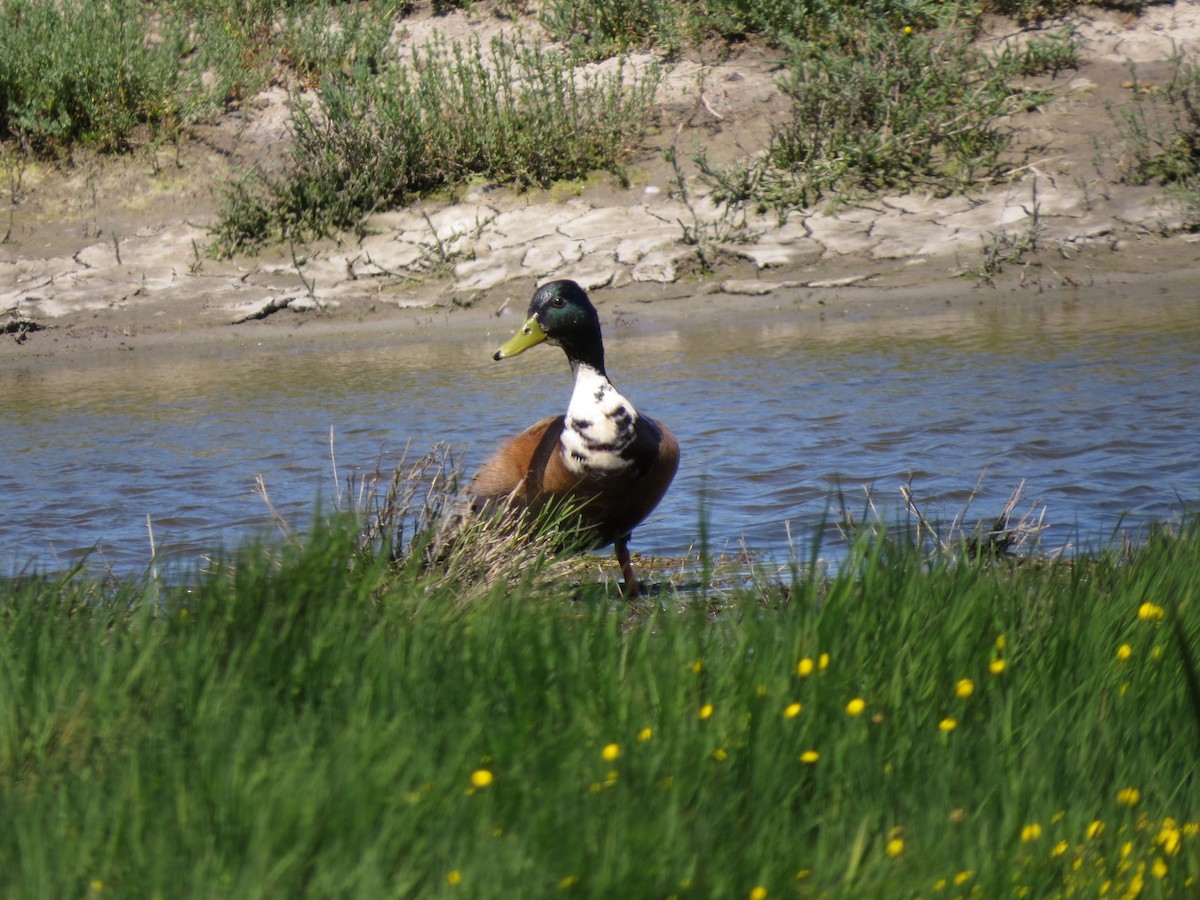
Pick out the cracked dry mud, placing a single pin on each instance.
(112, 252)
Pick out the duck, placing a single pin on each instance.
(609, 461)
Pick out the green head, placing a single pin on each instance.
(560, 314)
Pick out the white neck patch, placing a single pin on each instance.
(599, 424)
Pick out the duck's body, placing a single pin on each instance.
(603, 456)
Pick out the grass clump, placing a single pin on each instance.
(514, 112)
(890, 103)
(310, 721)
(80, 72)
(1160, 128)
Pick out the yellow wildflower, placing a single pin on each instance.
(758, 892)
(697, 667)
(965, 688)
(823, 661)
(1159, 869)
(809, 756)
(1001, 643)
(948, 724)
(97, 885)
(645, 734)
(1124, 652)
(1094, 829)
(856, 706)
(1060, 848)
(962, 877)
(610, 752)
(1129, 796)
(1169, 839)
(907, 30)
(481, 778)
(706, 710)
(894, 847)
(804, 668)
(720, 754)
(454, 877)
(568, 881)
(1031, 832)
(1150, 612)
(792, 710)
(996, 666)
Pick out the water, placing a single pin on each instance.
(1095, 408)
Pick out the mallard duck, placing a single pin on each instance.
(603, 455)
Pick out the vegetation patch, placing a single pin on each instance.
(314, 719)
(513, 112)
(1160, 127)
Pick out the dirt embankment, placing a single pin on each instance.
(111, 254)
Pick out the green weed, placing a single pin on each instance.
(1160, 128)
(514, 113)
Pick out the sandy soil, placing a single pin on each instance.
(109, 255)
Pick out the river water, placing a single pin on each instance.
(1095, 407)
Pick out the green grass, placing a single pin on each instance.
(303, 722)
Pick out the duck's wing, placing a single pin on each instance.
(520, 465)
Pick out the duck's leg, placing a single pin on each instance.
(631, 586)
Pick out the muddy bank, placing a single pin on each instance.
(110, 255)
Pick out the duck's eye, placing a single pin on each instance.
(558, 302)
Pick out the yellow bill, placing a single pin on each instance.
(530, 334)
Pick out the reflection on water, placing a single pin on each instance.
(1095, 409)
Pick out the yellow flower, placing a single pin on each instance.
(894, 847)
(908, 29)
(454, 877)
(962, 877)
(481, 778)
(1124, 652)
(948, 724)
(697, 667)
(809, 756)
(1093, 829)
(1060, 848)
(645, 734)
(1159, 869)
(1031, 832)
(567, 882)
(97, 885)
(610, 752)
(720, 755)
(1129, 796)
(856, 706)
(996, 666)
(940, 884)
(706, 710)
(792, 710)
(965, 688)
(823, 661)
(1001, 643)
(1169, 839)
(804, 668)
(758, 893)
(1150, 612)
